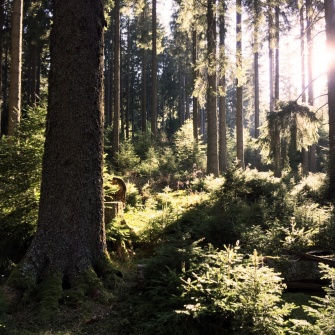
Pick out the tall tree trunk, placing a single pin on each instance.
(4, 115)
(212, 130)
(32, 92)
(239, 87)
(271, 58)
(256, 76)
(309, 29)
(70, 237)
(2, 21)
(122, 109)
(14, 107)
(223, 163)
(194, 73)
(154, 71)
(276, 96)
(305, 164)
(144, 92)
(277, 151)
(116, 118)
(182, 96)
(330, 33)
(302, 53)
(129, 52)
(108, 75)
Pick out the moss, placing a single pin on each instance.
(95, 287)
(50, 293)
(24, 280)
(108, 271)
(86, 284)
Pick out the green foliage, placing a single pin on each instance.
(133, 198)
(244, 294)
(127, 157)
(218, 292)
(291, 127)
(20, 176)
(150, 166)
(320, 309)
(190, 154)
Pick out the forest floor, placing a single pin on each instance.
(166, 217)
(90, 317)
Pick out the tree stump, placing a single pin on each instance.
(116, 202)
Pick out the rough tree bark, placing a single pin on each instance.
(70, 238)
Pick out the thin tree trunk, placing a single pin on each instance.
(271, 58)
(276, 96)
(239, 87)
(33, 75)
(195, 99)
(154, 71)
(108, 75)
(305, 166)
(187, 113)
(4, 122)
(2, 21)
(312, 148)
(212, 126)
(14, 107)
(256, 77)
(330, 34)
(144, 92)
(129, 51)
(223, 164)
(116, 119)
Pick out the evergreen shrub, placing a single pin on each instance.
(20, 177)
(196, 290)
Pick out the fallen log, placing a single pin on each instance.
(328, 261)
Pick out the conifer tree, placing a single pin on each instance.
(69, 245)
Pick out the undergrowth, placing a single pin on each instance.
(200, 242)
